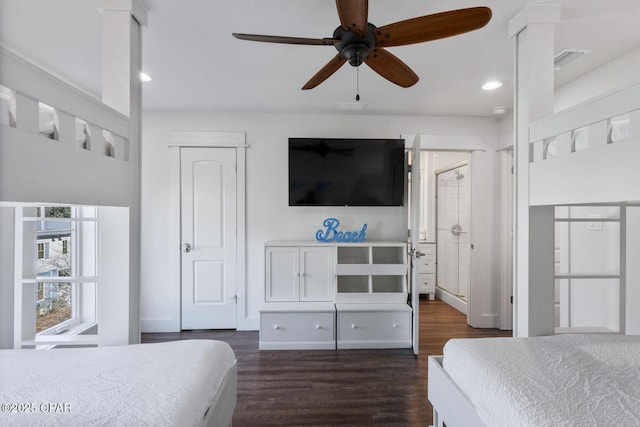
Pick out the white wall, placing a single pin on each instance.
(268, 215)
(505, 131)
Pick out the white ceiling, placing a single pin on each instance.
(197, 65)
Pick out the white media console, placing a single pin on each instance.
(335, 295)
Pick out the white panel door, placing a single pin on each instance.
(208, 205)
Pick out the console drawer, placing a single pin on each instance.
(292, 330)
(374, 329)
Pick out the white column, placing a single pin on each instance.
(532, 30)
(7, 275)
(632, 271)
(121, 89)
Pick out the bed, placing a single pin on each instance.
(555, 380)
(180, 383)
(583, 219)
(586, 155)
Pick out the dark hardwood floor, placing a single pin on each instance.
(337, 387)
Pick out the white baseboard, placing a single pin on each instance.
(452, 300)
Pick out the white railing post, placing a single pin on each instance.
(27, 113)
(66, 128)
(122, 90)
(532, 30)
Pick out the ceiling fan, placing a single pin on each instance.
(358, 41)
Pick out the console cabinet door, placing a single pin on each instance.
(282, 273)
(317, 275)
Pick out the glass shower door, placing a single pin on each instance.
(452, 230)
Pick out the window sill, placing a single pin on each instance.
(72, 336)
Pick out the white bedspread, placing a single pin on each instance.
(562, 380)
(164, 384)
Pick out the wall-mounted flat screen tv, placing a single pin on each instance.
(346, 172)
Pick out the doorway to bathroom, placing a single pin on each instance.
(446, 222)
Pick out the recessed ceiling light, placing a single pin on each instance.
(499, 110)
(492, 85)
(144, 77)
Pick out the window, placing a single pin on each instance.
(63, 283)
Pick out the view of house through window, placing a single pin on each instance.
(54, 303)
(60, 297)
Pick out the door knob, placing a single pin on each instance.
(186, 247)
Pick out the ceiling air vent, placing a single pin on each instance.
(351, 106)
(565, 56)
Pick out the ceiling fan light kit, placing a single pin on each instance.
(358, 41)
(355, 48)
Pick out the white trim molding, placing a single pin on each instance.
(534, 13)
(207, 139)
(135, 7)
(210, 139)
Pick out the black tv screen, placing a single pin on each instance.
(346, 172)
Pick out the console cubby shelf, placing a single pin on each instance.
(374, 272)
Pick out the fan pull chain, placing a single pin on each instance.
(358, 80)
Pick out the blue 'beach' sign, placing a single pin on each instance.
(331, 233)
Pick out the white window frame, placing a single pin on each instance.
(84, 252)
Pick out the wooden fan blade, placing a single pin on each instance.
(354, 15)
(325, 72)
(432, 27)
(285, 40)
(391, 68)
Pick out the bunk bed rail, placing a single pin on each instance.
(588, 153)
(63, 144)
